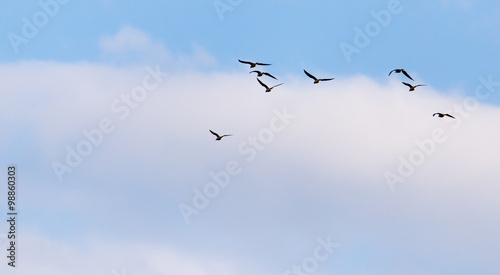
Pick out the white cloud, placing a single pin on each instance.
(131, 45)
(39, 254)
(126, 39)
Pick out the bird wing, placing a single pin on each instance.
(276, 85)
(214, 133)
(310, 75)
(268, 74)
(254, 72)
(245, 62)
(225, 136)
(261, 83)
(407, 75)
(326, 79)
(420, 85)
(392, 71)
(409, 85)
(263, 64)
(435, 114)
(449, 115)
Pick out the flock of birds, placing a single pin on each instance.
(316, 81)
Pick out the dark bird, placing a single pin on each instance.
(252, 64)
(267, 88)
(217, 135)
(259, 74)
(442, 115)
(401, 71)
(317, 80)
(412, 88)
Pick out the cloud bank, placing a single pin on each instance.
(322, 175)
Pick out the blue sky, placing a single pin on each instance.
(357, 163)
(446, 42)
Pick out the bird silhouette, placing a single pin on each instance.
(253, 64)
(267, 88)
(317, 80)
(259, 74)
(442, 115)
(401, 71)
(217, 137)
(412, 88)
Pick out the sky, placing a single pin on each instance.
(106, 109)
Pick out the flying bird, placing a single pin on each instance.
(253, 64)
(442, 115)
(267, 88)
(412, 88)
(217, 135)
(317, 80)
(259, 73)
(401, 71)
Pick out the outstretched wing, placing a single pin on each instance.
(214, 133)
(310, 75)
(409, 85)
(245, 62)
(326, 79)
(276, 85)
(392, 71)
(254, 72)
(261, 83)
(263, 64)
(449, 115)
(420, 85)
(268, 74)
(225, 136)
(407, 75)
